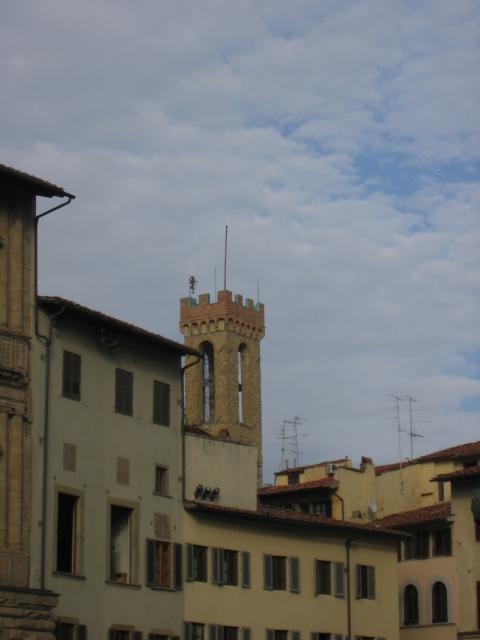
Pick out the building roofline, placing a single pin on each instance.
(437, 512)
(285, 472)
(99, 318)
(461, 474)
(37, 186)
(293, 518)
(328, 483)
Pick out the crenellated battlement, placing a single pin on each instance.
(198, 317)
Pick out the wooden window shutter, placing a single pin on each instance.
(177, 566)
(317, 577)
(267, 572)
(150, 577)
(270, 634)
(313, 635)
(82, 632)
(161, 403)
(111, 634)
(246, 633)
(245, 569)
(189, 562)
(137, 635)
(294, 575)
(217, 566)
(188, 631)
(371, 582)
(339, 572)
(358, 573)
(213, 632)
(295, 635)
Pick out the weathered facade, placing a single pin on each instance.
(24, 612)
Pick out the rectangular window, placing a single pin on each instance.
(477, 530)
(442, 542)
(67, 533)
(294, 575)
(65, 631)
(158, 636)
(230, 633)
(161, 480)
(279, 573)
(71, 375)
(197, 563)
(194, 631)
(277, 634)
(323, 577)
(230, 567)
(339, 569)
(418, 547)
(293, 478)
(164, 565)
(245, 569)
(321, 636)
(121, 542)
(441, 492)
(365, 582)
(124, 634)
(124, 392)
(161, 403)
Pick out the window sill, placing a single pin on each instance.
(155, 587)
(73, 576)
(117, 583)
(157, 424)
(162, 495)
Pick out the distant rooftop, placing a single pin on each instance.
(439, 511)
(460, 474)
(302, 486)
(286, 472)
(38, 186)
(99, 318)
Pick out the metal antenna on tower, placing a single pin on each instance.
(398, 399)
(295, 423)
(225, 260)
(192, 284)
(412, 433)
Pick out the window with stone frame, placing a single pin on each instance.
(71, 375)
(161, 403)
(124, 392)
(365, 582)
(323, 577)
(439, 603)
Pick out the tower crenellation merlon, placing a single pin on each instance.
(227, 313)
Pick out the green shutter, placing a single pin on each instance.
(294, 575)
(339, 569)
(177, 566)
(358, 573)
(150, 569)
(267, 572)
(371, 583)
(246, 569)
(246, 633)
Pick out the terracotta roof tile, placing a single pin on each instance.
(31, 183)
(384, 468)
(459, 451)
(102, 319)
(416, 516)
(271, 514)
(302, 486)
(460, 474)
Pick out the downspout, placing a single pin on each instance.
(47, 342)
(342, 501)
(348, 543)
(182, 425)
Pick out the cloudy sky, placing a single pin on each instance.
(340, 142)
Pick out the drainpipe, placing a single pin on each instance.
(342, 501)
(348, 543)
(46, 339)
(182, 425)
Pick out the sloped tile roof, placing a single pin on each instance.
(49, 303)
(301, 486)
(416, 516)
(460, 474)
(38, 186)
(392, 467)
(459, 451)
(286, 516)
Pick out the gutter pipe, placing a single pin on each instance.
(47, 340)
(348, 544)
(183, 425)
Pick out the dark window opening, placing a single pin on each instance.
(124, 392)
(120, 543)
(161, 403)
(159, 564)
(418, 548)
(323, 579)
(279, 573)
(230, 567)
(410, 606)
(71, 375)
(441, 492)
(365, 581)
(442, 542)
(65, 631)
(199, 563)
(230, 633)
(67, 538)
(293, 478)
(161, 480)
(439, 603)
(208, 382)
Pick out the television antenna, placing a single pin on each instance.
(192, 285)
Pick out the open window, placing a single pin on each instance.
(122, 544)
(68, 533)
(208, 382)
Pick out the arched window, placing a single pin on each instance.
(240, 380)
(410, 605)
(208, 382)
(439, 603)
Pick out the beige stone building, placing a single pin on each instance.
(438, 571)
(132, 518)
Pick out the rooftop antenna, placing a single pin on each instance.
(295, 422)
(398, 399)
(412, 433)
(225, 261)
(192, 284)
(258, 292)
(215, 280)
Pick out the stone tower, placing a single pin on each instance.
(24, 612)
(223, 393)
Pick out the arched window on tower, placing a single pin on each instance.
(240, 380)
(208, 382)
(439, 603)
(410, 605)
